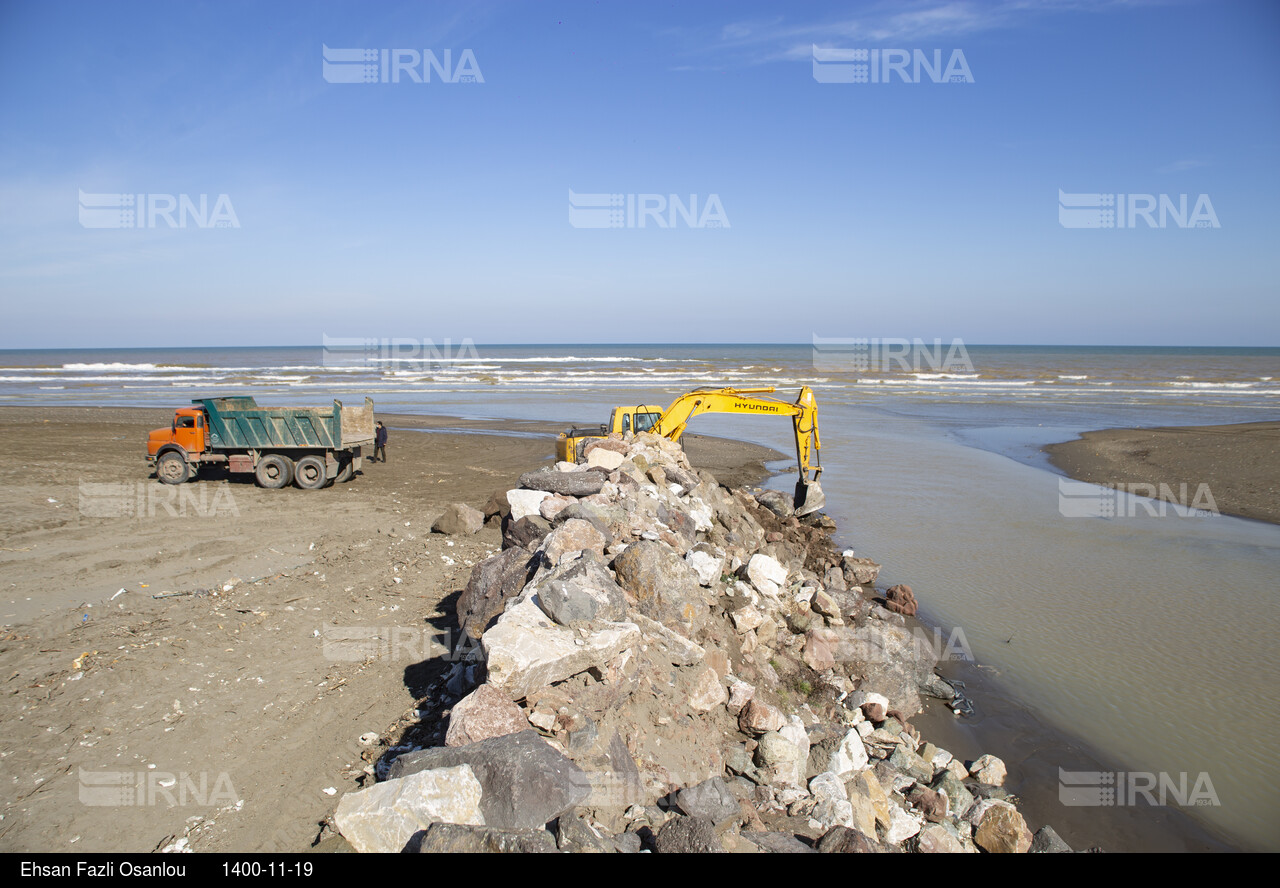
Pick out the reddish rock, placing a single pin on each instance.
(758, 717)
(900, 600)
(818, 646)
(575, 535)
(485, 712)
(553, 505)
(932, 805)
(616, 444)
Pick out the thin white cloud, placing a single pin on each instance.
(761, 41)
(1181, 166)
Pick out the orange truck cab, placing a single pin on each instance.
(187, 432)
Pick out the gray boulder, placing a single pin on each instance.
(574, 835)
(710, 800)
(566, 483)
(526, 532)
(1047, 841)
(666, 589)
(688, 835)
(582, 593)
(493, 583)
(526, 782)
(459, 519)
(455, 838)
(844, 840)
(778, 842)
(777, 502)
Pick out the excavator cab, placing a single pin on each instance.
(634, 420)
(644, 422)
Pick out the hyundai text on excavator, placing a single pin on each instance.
(671, 423)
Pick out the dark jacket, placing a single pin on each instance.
(380, 436)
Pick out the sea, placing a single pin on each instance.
(1145, 630)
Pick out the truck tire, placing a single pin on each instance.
(346, 471)
(309, 474)
(172, 468)
(274, 471)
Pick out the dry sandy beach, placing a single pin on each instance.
(1240, 464)
(258, 693)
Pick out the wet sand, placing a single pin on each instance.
(1239, 465)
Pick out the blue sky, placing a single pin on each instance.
(436, 209)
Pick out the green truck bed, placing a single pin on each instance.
(240, 424)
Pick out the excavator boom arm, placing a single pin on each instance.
(804, 414)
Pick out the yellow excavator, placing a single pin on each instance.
(671, 423)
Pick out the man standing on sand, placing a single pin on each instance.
(380, 443)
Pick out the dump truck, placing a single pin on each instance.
(311, 447)
(671, 423)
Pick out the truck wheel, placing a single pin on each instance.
(274, 471)
(346, 471)
(171, 468)
(310, 473)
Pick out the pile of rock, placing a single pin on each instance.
(659, 663)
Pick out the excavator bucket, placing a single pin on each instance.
(809, 497)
